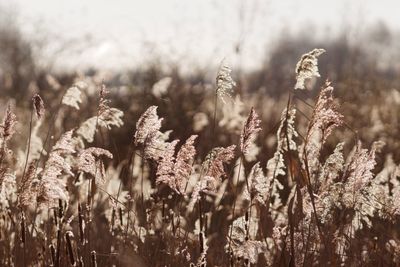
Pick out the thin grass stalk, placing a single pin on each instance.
(53, 254)
(58, 249)
(28, 143)
(23, 238)
(93, 258)
(80, 262)
(68, 236)
(127, 175)
(3, 144)
(291, 227)
(290, 207)
(214, 119)
(141, 187)
(201, 238)
(81, 224)
(234, 203)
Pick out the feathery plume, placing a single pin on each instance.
(285, 134)
(72, 97)
(38, 105)
(286, 131)
(183, 163)
(175, 172)
(64, 145)
(332, 166)
(108, 116)
(7, 186)
(232, 116)
(111, 117)
(225, 83)
(51, 188)
(27, 187)
(259, 185)
(276, 166)
(200, 121)
(90, 162)
(360, 168)
(155, 144)
(307, 67)
(215, 161)
(249, 250)
(250, 130)
(325, 116)
(207, 184)
(147, 125)
(53, 82)
(7, 130)
(165, 168)
(214, 166)
(103, 103)
(87, 129)
(396, 202)
(9, 123)
(324, 120)
(243, 247)
(214, 170)
(161, 87)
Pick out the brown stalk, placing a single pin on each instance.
(58, 249)
(68, 236)
(93, 259)
(81, 225)
(53, 254)
(23, 238)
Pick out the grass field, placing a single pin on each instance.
(184, 172)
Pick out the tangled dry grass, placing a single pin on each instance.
(233, 191)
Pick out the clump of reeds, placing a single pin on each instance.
(215, 199)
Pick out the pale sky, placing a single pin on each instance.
(120, 33)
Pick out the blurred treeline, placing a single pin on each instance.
(365, 73)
